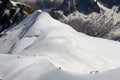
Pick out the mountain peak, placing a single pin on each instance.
(39, 34)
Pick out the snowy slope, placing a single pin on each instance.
(40, 68)
(41, 35)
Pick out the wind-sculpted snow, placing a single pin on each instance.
(41, 68)
(41, 35)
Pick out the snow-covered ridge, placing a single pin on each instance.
(41, 35)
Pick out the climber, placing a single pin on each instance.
(59, 67)
(96, 71)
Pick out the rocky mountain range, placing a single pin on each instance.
(98, 18)
(95, 18)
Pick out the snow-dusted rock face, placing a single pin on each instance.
(87, 16)
(99, 21)
(11, 12)
(41, 35)
(103, 24)
(98, 25)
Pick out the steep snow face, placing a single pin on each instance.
(41, 35)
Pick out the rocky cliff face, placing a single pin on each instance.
(11, 12)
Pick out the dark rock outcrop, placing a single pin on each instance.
(110, 3)
(11, 13)
(83, 6)
(68, 6)
(87, 6)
